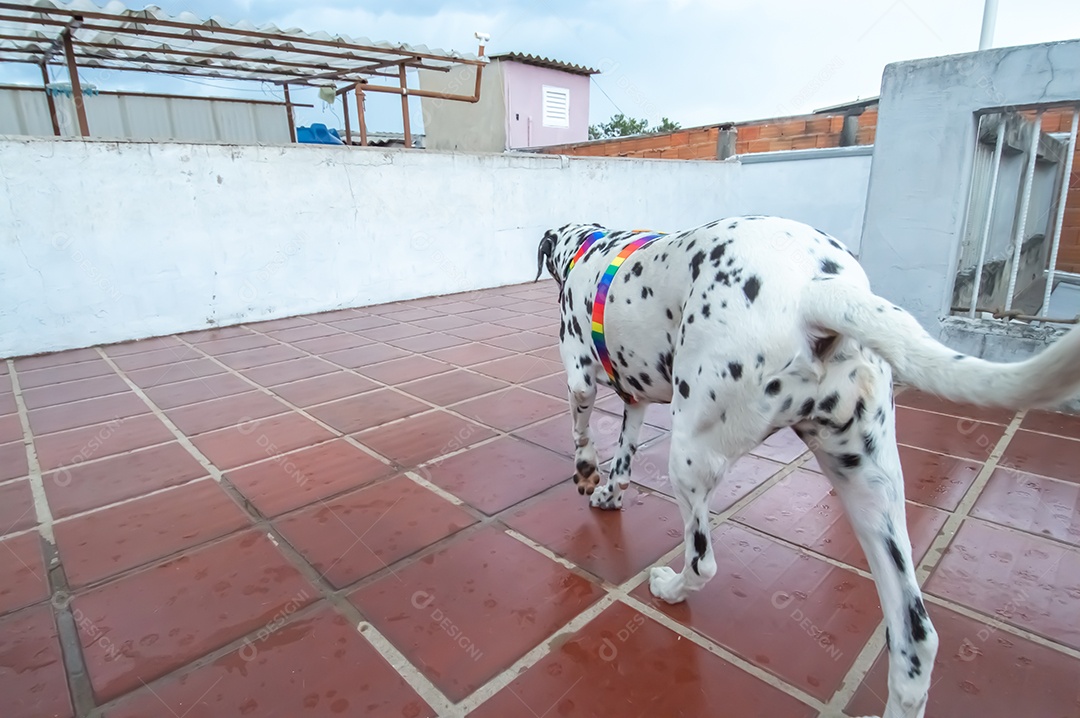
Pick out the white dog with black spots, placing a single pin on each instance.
(748, 325)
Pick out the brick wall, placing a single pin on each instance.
(1069, 249)
(699, 143)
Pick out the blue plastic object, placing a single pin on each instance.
(318, 134)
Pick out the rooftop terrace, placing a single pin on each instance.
(369, 512)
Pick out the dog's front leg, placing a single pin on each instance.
(582, 395)
(609, 496)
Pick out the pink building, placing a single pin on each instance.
(525, 101)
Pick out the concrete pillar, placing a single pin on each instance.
(725, 143)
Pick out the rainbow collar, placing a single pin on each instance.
(602, 293)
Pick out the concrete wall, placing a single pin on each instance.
(465, 126)
(825, 188)
(524, 105)
(114, 241)
(923, 159)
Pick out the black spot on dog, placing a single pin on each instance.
(684, 389)
(586, 360)
(958, 357)
(690, 319)
(586, 468)
(832, 241)
(760, 361)
(806, 408)
(706, 311)
(894, 552)
(717, 252)
(633, 382)
(712, 394)
(830, 267)
(868, 443)
(751, 288)
(645, 379)
(773, 387)
(576, 328)
(736, 370)
(695, 264)
(916, 614)
(888, 640)
(829, 403)
(701, 545)
(916, 667)
(860, 409)
(637, 269)
(849, 461)
(669, 314)
(663, 365)
(786, 405)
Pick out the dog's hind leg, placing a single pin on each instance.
(861, 461)
(695, 469)
(609, 496)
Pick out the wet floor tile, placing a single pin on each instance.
(144, 625)
(1036, 504)
(85, 413)
(323, 389)
(499, 474)
(240, 409)
(623, 663)
(356, 534)
(1043, 454)
(13, 462)
(423, 437)
(1049, 422)
(23, 580)
(469, 354)
(64, 373)
(804, 509)
(464, 586)
(405, 369)
(793, 615)
(55, 394)
(557, 434)
(511, 409)
(519, 369)
(372, 408)
(68, 449)
(259, 439)
(943, 434)
(287, 482)
(614, 545)
(928, 402)
(1025, 580)
(32, 679)
(16, 507)
(452, 387)
(184, 393)
(318, 665)
(55, 359)
(983, 671)
(116, 478)
(286, 371)
(104, 543)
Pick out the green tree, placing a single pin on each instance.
(622, 126)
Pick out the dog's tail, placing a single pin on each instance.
(919, 360)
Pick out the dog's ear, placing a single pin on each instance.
(543, 254)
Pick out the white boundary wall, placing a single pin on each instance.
(105, 242)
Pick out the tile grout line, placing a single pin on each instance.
(934, 554)
(80, 691)
(37, 483)
(414, 678)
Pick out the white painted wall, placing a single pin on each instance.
(825, 188)
(114, 241)
(109, 241)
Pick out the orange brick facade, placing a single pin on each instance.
(699, 143)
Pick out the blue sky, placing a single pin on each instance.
(695, 61)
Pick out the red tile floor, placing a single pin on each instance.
(368, 512)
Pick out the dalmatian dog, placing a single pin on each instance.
(748, 325)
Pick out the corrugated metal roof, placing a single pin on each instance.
(546, 62)
(117, 37)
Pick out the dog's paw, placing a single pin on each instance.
(587, 484)
(606, 498)
(666, 585)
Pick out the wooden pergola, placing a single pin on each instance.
(80, 33)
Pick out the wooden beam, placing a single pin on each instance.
(289, 113)
(405, 107)
(51, 101)
(361, 120)
(76, 86)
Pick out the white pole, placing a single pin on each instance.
(1061, 212)
(986, 39)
